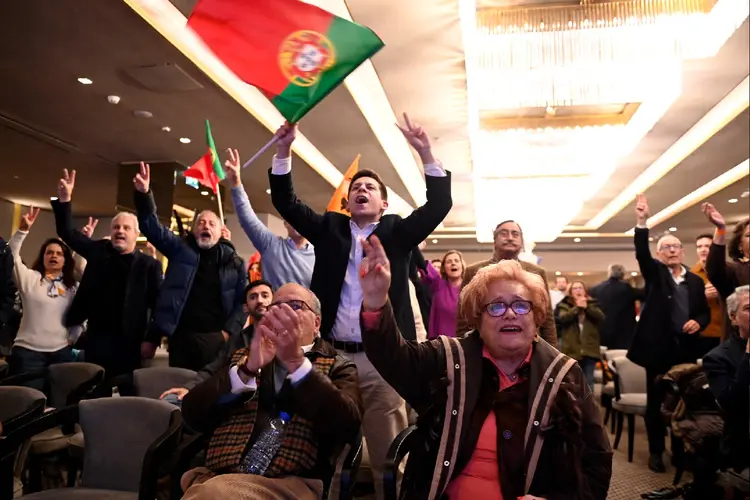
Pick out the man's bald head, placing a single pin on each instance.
(305, 303)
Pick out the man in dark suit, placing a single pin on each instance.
(674, 311)
(727, 368)
(508, 237)
(338, 253)
(117, 293)
(617, 300)
(7, 294)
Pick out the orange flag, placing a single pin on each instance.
(338, 201)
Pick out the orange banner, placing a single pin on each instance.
(339, 199)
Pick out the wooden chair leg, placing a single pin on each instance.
(607, 415)
(613, 423)
(618, 431)
(631, 435)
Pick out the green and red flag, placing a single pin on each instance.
(294, 52)
(207, 170)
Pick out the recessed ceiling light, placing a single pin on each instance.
(15, 177)
(650, 238)
(745, 193)
(143, 114)
(579, 273)
(733, 200)
(634, 273)
(204, 193)
(85, 81)
(558, 273)
(53, 198)
(165, 128)
(184, 140)
(672, 229)
(576, 240)
(435, 240)
(268, 191)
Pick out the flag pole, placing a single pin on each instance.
(262, 150)
(221, 206)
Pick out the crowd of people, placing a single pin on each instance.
(500, 375)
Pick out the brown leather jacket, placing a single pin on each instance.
(332, 404)
(453, 388)
(547, 331)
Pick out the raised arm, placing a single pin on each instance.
(716, 262)
(23, 277)
(77, 241)
(305, 220)
(408, 367)
(415, 228)
(145, 208)
(646, 262)
(430, 276)
(260, 236)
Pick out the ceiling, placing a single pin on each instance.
(49, 121)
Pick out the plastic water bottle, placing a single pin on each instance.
(265, 447)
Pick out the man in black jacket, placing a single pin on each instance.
(7, 292)
(258, 296)
(617, 299)
(674, 311)
(117, 293)
(338, 253)
(201, 305)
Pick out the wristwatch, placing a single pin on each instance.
(242, 367)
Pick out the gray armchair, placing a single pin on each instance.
(152, 382)
(126, 439)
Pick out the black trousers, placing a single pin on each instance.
(655, 426)
(194, 350)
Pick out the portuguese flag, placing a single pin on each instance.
(207, 170)
(295, 53)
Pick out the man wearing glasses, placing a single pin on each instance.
(508, 246)
(286, 369)
(674, 312)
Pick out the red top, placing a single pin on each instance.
(480, 478)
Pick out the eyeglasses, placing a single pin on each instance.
(497, 309)
(296, 305)
(672, 246)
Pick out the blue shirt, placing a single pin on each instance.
(283, 262)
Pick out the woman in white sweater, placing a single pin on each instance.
(47, 290)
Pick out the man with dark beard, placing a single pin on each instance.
(201, 303)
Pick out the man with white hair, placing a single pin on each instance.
(727, 368)
(673, 313)
(617, 299)
(117, 292)
(202, 303)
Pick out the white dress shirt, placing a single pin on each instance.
(238, 386)
(346, 327)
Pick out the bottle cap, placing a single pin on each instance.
(284, 417)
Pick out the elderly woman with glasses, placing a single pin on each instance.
(502, 414)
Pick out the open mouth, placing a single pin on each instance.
(205, 234)
(119, 237)
(511, 329)
(53, 262)
(453, 269)
(361, 199)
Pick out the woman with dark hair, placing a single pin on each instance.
(46, 290)
(502, 414)
(727, 276)
(580, 319)
(445, 285)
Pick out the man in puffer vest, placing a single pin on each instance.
(287, 368)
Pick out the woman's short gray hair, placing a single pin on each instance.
(733, 301)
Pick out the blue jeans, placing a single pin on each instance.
(588, 365)
(23, 360)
